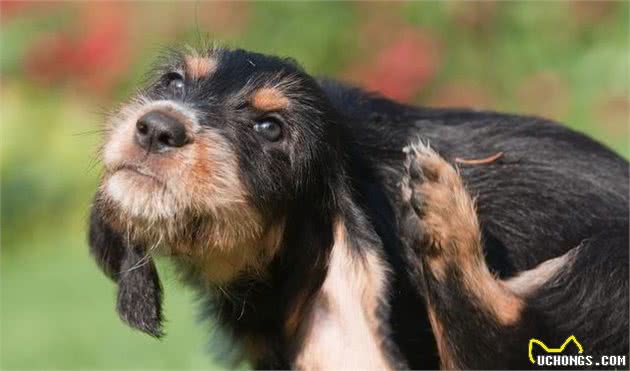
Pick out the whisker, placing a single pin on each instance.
(146, 258)
(94, 160)
(90, 132)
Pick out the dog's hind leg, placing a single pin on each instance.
(481, 322)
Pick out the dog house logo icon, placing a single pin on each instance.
(553, 350)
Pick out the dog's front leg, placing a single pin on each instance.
(343, 327)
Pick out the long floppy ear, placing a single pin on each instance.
(140, 293)
(139, 290)
(106, 245)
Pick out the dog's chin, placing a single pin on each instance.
(141, 196)
(151, 212)
(142, 208)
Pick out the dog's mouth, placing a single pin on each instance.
(142, 192)
(139, 171)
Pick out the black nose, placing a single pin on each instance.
(158, 132)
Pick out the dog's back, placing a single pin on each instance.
(549, 189)
(541, 190)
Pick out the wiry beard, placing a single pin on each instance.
(182, 231)
(210, 248)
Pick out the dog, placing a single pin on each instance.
(331, 228)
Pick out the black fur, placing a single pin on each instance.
(552, 190)
(140, 293)
(139, 301)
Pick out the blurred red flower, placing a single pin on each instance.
(402, 68)
(11, 8)
(92, 53)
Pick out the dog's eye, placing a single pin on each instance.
(175, 85)
(268, 128)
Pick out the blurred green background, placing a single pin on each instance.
(61, 64)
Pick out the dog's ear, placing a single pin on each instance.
(139, 290)
(140, 293)
(106, 245)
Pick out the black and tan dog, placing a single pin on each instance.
(328, 228)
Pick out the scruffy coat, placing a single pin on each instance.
(327, 227)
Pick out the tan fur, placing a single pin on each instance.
(269, 99)
(296, 315)
(447, 361)
(526, 283)
(340, 331)
(219, 266)
(256, 348)
(454, 239)
(198, 67)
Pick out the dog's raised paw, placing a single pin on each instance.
(439, 219)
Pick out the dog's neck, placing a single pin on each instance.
(326, 282)
(344, 313)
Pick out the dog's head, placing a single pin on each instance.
(202, 165)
